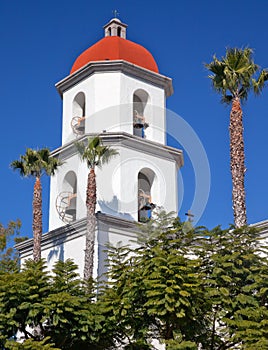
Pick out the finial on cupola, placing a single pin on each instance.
(115, 27)
(116, 13)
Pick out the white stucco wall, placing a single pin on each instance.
(73, 163)
(70, 244)
(154, 111)
(117, 184)
(108, 106)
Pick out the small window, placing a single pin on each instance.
(66, 200)
(78, 120)
(140, 100)
(146, 178)
(119, 31)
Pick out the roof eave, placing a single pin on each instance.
(115, 66)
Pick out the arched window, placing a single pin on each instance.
(78, 120)
(140, 101)
(146, 178)
(119, 31)
(66, 200)
(109, 31)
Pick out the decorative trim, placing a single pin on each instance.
(128, 141)
(115, 66)
(77, 229)
(115, 20)
(263, 227)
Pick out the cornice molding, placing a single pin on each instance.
(128, 141)
(263, 227)
(77, 229)
(115, 66)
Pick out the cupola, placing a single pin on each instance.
(115, 28)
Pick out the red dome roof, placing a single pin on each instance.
(116, 48)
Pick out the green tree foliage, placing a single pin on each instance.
(9, 260)
(57, 308)
(21, 297)
(188, 288)
(30, 344)
(155, 289)
(234, 263)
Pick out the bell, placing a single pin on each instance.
(71, 209)
(80, 126)
(138, 124)
(147, 206)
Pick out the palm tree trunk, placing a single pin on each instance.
(237, 155)
(91, 224)
(37, 219)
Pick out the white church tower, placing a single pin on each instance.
(114, 90)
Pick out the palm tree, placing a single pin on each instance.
(95, 154)
(35, 163)
(234, 76)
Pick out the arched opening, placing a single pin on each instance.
(66, 200)
(109, 31)
(146, 178)
(119, 31)
(78, 120)
(140, 101)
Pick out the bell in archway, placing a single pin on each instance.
(71, 208)
(80, 127)
(137, 123)
(146, 206)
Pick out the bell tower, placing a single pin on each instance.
(114, 90)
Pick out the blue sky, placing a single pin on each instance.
(40, 40)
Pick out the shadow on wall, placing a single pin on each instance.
(103, 239)
(57, 251)
(112, 208)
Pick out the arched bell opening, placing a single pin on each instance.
(146, 205)
(140, 101)
(78, 120)
(119, 31)
(66, 199)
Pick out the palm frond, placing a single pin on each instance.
(18, 165)
(243, 93)
(35, 163)
(235, 74)
(107, 155)
(95, 142)
(226, 99)
(258, 84)
(80, 146)
(52, 165)
(94, 152)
